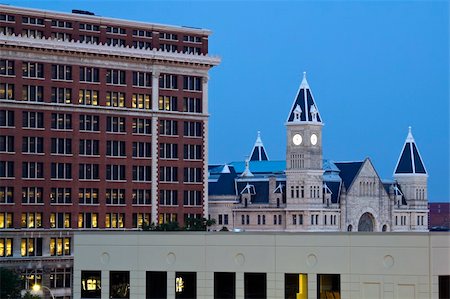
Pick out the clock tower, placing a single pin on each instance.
(304, 181)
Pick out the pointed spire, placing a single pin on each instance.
(247, 171)
(410, 161)
(304, 108)
(258, 152)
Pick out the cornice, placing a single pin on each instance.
(156, 55)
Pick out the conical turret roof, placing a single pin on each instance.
(410, 161)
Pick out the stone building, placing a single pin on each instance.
(307, 193)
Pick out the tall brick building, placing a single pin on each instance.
(103, 125)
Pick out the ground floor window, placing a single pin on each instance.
(444, 287)
(119, 284)
(91, 284)
(255, 285)
(224, 285)
(156, 285)
(328, 286)
(295, 286)
(185, 285)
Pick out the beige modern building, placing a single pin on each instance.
(261, 265)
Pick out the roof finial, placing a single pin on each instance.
(304, 83)
(304, 75)
(410, 137)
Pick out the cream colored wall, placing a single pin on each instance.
(371, 265)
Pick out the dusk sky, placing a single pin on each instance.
(374, 68)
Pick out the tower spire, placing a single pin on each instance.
(410, 161)
(259, 153)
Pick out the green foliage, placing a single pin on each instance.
(192, 224)
(28, 295)
(10, 284)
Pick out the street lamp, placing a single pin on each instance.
(38, 287)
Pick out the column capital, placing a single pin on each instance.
(205, 79)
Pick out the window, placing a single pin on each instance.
(115, 99)
(168, 47)
(88, 196)
(31, 220)
(328, 286)
(32, 93)
(32, 21)
(141, 219)
(119, 284)
(116, 30)
(296, 286)
(115, 196)
(141, 79)
(192, 39)
(115, 42)
(88, 220)
(89, 147)
(168, 197)
(61, 95)
(141, 44)
(32, 70)
(444, 286)
(115, 148)
(224, 285)
(59, 246)
(155, 285)
(142, 173)
(32, 195)
(60, 220)
(6, 220)
(89, 74)
(61, 146)
(89, 39)
(6, 169)
(7, 144)
(60, 278)
(168, 127)
(61, 24)
(192, 198)
(61, 36)
(142, 33)
(142, 126)
(88, 172)
(141, 197)
(314, 219)
(32, 33)
(91, 286)
(7, 18)
(192, 50)
(60, 195)
(115, 172)
(142, 149)
(115, 124)
(88, 97)
(6, 91)
(33, 145)
(185, 285)
(116, 77)
(193, 129)
(167, 103)
(168, 81)
(193, 175)
(192, 105)
(6, 118)
(6, 30)
(32, 120)
(192, 152)
(223, 219)
(141, 101)
(168, 174)
(168, 36)
(61, 121)
(115, 220)
(89, 123)
(61, 171)
(255, 285)
(6, 247)
(168, 151)
(7, 67)
(61, 72)
(31, 247)
(6, 194)
(192, 83)
(32, 170)
(89, 27)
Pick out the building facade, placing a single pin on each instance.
(307, 193)
(262, 265)
(103, 125)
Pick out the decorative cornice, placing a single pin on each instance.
(104, 49)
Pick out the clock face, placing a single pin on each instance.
(297, 139)
(313, 139)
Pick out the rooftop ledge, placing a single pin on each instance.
(104, 49)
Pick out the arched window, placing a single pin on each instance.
(350, 228)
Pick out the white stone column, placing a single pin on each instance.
(154, 192)
(205, 146)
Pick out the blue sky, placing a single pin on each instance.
(375, 68)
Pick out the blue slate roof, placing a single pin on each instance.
(261, 191)
(304, 100)
(223, 183)
(349, 170)
(410, 161)
(260, 166)
(335, 188)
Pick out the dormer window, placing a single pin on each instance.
(313, 112)
(297, 113)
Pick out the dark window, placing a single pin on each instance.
(444, 287)
(255, 285)
(328, 286)
(186, 285)
(295, 286)
(119, 284)
(91, 284)
(224, 285)
(156, 285)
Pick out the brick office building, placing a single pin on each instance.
(103, 125)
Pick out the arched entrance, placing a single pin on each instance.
(366, 223)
